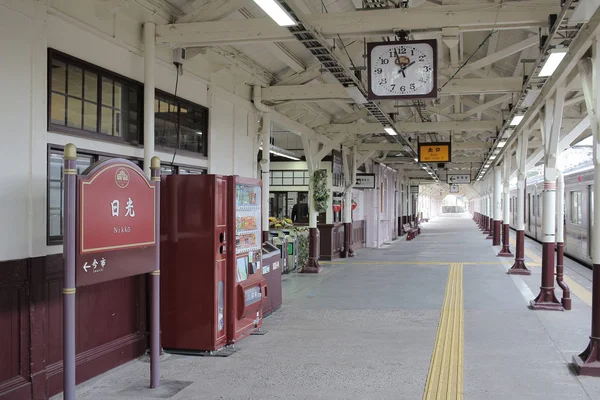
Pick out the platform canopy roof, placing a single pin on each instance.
(490, 53)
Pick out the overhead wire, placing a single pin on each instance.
(494, 30)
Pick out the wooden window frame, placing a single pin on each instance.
(96, 156)
(101, 73)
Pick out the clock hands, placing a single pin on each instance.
(398, 63)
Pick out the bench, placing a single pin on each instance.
(410, 231)
(418, 227)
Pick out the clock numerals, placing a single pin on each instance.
(402, 69)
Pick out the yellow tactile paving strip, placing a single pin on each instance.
(446, 379)
(578, 290)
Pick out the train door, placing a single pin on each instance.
(538, 219)
(529, 212)
(590, 219)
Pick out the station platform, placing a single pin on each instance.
(434, 318)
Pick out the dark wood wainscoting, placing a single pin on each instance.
(358, 234)
(110, 320)
(332, 240)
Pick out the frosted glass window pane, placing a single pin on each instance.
(57, 107)
(106, 122)
(91, 87)
(74, 113)
(90, 116)
(107, 92)
(59, 76)
(75, 77)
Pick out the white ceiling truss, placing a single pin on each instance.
(489, 55)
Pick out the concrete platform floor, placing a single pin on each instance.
(366, 328)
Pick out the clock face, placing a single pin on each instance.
(402, 70)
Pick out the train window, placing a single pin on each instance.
(576, 207)
(537, 205)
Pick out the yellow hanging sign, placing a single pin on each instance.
(435, 152)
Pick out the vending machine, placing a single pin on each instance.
(212, 289)
(246, 285)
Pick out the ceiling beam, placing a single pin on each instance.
(499, 55)
(335, 91)
(421, 127)
(563, 144)
(399, 147)
(357, 23)
(311, 73)
(203, 10)
(473, 104)
(485, 106)
(482, 85)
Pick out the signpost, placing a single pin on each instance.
(454, 188)
(435, 152)
(459, 178)
(111, 230)
(365, 181)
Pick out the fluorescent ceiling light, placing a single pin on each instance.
(492, 157)
(390, 130)
(356, 94)
(552, 62)
(416, 160)
(502, 143)
(199, 133)
(282, 155)
(276, 12)
(516, 120)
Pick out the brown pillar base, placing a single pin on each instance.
(497, 226)
(312, 266)
(266, 236)
(588, 362)
(347, 251)
(519, 267)
(546, 299)
(505, 252)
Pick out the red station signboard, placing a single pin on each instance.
(116, 215)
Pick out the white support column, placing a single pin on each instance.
(497, 206)
(551, 120)
(265, 168)
(349, 164)
(519, 267)
(149, 51)
(505, 252)
(310, 149)
(506, 189)
(588, 362)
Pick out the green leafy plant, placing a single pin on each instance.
(302, 235)
(320, 192)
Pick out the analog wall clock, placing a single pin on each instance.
(402, 70)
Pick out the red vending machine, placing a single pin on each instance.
(195, 227)
(246, 287)
(212, 288)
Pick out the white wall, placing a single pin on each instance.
(112, 41)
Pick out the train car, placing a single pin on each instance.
(579, 211)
